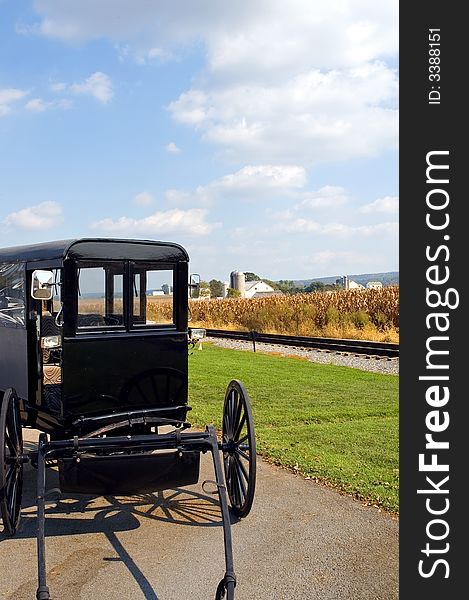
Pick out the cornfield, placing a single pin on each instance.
(371, 314)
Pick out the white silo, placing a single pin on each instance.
(238, 282)
(226, 285)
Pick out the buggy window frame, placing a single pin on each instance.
(136, 267)
(92, 264)
(130, 267)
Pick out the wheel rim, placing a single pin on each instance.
(11, 465)
(239, 448)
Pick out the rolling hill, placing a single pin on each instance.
(388, 278)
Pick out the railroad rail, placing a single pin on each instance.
(383, 349)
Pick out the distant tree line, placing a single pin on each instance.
(286, 286)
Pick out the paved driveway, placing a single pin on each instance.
(301, 541)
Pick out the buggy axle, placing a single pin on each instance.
(20, 459)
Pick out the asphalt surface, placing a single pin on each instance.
(300, 541)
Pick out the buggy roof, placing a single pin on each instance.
(95, 249)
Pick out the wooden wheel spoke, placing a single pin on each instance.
(236, 484)
(234, 404)
(229, 410)
(237, 415)
(243, 454)
(14, 491)
(231, 479)
(239, 428)
(240, 479)
(239, 494)
(241, 440)
(11, 446)
(9, 476)
(227, 427)
(242, 468)
(227, 413)
(11, 438)
(14, 426)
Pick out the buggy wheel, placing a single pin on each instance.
(11, 462)
(239, 448)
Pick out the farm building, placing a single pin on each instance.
(258, 289)
(374, 285)
(350, 284)
(353, 285)
(251, 289)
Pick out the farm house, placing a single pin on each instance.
(259, 289)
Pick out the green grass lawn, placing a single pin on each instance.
(335, 424)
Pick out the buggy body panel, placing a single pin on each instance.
(14, 361)
(120, 371)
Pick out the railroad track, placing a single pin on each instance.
(383, 349)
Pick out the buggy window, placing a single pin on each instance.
(100, 296)
(12, 295)
(152, 291)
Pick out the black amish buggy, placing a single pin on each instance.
(94, 345)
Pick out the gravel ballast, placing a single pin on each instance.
(377, 364)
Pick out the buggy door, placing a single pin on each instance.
(123, 349)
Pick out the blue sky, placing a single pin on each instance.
(262, 135)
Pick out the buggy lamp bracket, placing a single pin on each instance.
(197, 333)
(50, 341)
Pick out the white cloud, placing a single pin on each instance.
(283, 82)
(329, 196)
(300, 225)
(310, 118)
(40, 105)
(58, 86)
(144, 199)
(179, 197)
(98, 85)
(37, 105)
(192, 221)
(172, 148)
(249, 183)
(290, 222)
(278, 34)
(269, 177)
(8, 96)
(156, 53)
(388, 204)
(340, 229)
(42, 216)
(144, 57)
(337, 262)
(326, 257)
